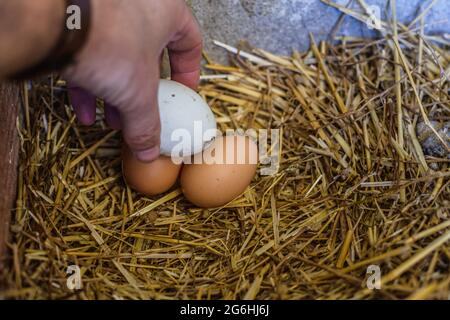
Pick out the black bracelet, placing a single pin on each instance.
(70, 42)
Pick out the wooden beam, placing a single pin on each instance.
(9, 147)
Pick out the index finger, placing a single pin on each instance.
(185, 52)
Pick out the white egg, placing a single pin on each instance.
(187, 122)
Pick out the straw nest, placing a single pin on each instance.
(356, 187)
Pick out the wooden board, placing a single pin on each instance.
(9, 143)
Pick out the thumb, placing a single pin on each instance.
(140, 117)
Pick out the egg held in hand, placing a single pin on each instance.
(151, 178)
(187, 122)
(228, 166)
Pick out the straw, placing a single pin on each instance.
(356, 187)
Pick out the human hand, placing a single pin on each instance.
(120, 63)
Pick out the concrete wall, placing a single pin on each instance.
(280, 25)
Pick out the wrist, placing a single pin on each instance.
(73, 33)
(30, 30)
(48, 25)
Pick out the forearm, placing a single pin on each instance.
(28, 31)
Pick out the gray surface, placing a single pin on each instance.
(280, 25)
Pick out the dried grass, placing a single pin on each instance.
(354, 189)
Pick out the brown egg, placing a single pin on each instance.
(149, 178)
(229, 165)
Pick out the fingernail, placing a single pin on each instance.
(147, 155)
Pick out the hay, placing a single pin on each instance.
(355, 187)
